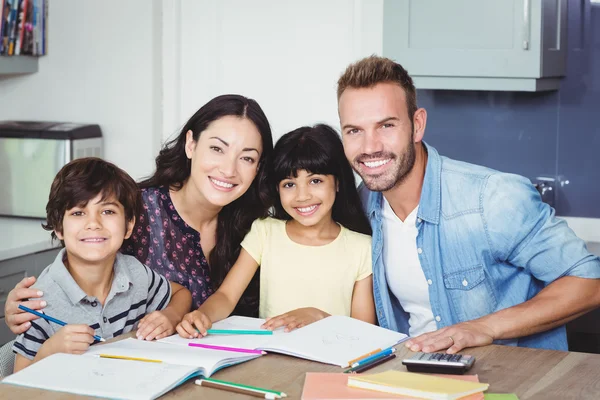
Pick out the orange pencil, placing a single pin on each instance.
(363, 356)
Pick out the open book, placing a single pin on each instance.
(92, 375)
(332, 340)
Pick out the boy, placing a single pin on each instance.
(91, 209)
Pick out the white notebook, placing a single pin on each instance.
(92, 375)
(102, 377)
(332, 340)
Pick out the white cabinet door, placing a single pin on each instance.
(477, 39)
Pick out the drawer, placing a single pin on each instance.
(5, 334)
(11, 273)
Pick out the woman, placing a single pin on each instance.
(208, 188)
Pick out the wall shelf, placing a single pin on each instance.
(11, 65)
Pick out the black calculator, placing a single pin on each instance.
(439, 363)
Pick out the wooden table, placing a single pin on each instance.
(531, 374)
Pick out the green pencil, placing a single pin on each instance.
(237, 332)
(281, 394)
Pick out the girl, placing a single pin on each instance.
(314, 254)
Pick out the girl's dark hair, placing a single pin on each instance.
(80, 181)
(235, 219)
(319, 150)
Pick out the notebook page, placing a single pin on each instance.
(101, 377)
(234, 323)
(207, 360)
(334, 340)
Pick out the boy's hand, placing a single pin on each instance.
(194, 324)
(72, 339)
(157, 325)
(295, 319)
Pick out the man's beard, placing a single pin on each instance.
(389, 179)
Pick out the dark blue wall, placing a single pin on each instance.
(532, 134)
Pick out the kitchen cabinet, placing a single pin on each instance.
(516, 45)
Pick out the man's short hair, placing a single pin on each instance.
(83, 179)
(373, 70)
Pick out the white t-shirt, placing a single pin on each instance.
(403, 271)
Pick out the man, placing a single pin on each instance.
(463, 255)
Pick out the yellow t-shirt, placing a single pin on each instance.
(293, 275)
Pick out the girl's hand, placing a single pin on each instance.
(156, 325)
(295, 319)
(17, 319)
(194, 324)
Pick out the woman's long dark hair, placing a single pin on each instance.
(319, 150)
(235, 219)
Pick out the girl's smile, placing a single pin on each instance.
(307, 211)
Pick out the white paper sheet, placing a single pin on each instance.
(102, 377)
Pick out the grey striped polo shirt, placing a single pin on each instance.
(135, 291)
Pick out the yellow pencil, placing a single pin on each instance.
(129, 358)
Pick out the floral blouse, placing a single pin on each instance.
(163, 241)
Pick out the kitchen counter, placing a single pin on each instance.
(23, 236)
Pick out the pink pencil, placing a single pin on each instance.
(224, 348)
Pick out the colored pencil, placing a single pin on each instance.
(364, 356)
(49, 318)
(225, 348)
(239, 388)
(237, 332)
(375, 356)
(368, 366)
(128, 358)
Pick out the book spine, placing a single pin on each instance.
(6, 18)
(12, 27)
(27, 45)
(20, 27)
(35, 22)
(3, 24)
(44, 16)
(2, 2)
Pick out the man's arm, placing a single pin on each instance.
(560, 302)
(524, 232)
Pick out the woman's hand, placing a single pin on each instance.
(18, 321)
(194, 324)
(295, 319)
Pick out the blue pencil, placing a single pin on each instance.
(382, 353)
(49, 318)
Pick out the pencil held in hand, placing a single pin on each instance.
(51, 319)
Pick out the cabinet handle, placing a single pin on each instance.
(526, 34)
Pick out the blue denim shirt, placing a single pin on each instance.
(486, 241)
